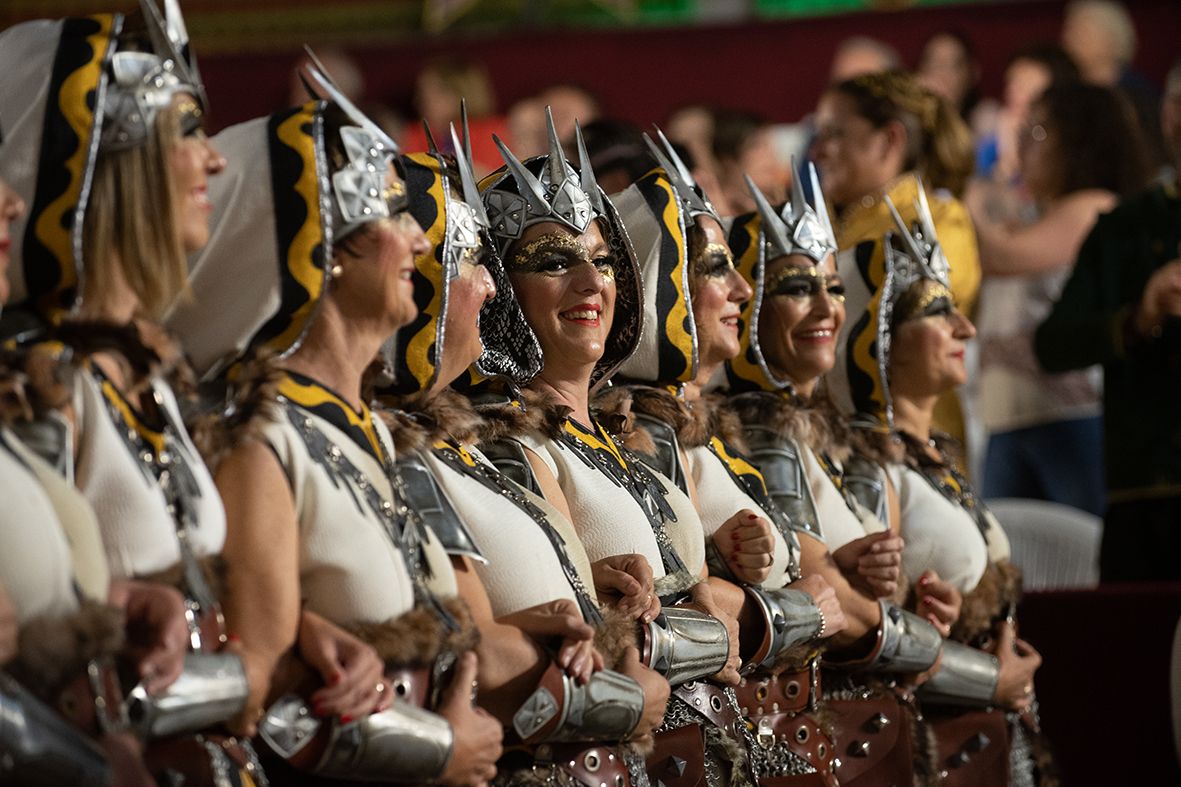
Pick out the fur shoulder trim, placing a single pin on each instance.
(727, 424)
(882, 448)
(416, 421)
(694, 423)
(417, 637)
(815, 424)
(675, 584)
(615, 635)
(34, 381)
(999, 588)
(55, 649)
(531, 411)
(248, 402)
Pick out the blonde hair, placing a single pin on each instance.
(938, 142)
(131, 223)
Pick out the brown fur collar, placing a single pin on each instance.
(538, 412)
(815, 423)
(34, 381)
(417, 637)
(55, 649)
(213, 568)
(883, 448)
(250, 401)
(695, 423)
(418, 421)
(997, 589)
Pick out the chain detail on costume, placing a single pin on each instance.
(463, 462)
(401, 523)
(750, 480)
(946, 479)
(599, 451)
(160, 454)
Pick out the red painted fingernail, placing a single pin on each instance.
(336, 679)
(345, 719)
(318, 709)
(233, 638)
(752, 517)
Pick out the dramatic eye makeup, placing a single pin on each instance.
(798, 281)
(556, 253)
(190, 118)
(714, 261)
(934, 300)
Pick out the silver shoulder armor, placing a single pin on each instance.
(606, 708)
(906, 642)
(211, 689)
(509, 458)
(966, 676)
(782, 467)
(426, 497)
(51, 437)
(684, 644)
(40, 749)
(667, 458)
(404, 743)
(866, 481)
(791, 618)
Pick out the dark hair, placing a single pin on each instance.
(972, 94)
(733, 130)
(939, 145)
(1099, 142)
(615, 145)
(1062, 68)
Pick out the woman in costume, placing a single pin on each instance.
(63, 610)
(311, 274)
(529, 559)
(880, 134)
(568, 313)
(787, 343)
(902, 347)
(690, 277)
(116, 166)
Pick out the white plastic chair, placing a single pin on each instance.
(1056, 546)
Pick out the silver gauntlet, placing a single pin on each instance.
(39, 748)
(684, 644)
(791, 618)
(404, 743)
(906, 642)
(966, 676)
(211, 689)
(606, 708)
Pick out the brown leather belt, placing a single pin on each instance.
(973, 746)
(873, 739)
(787, 692)
(776, 707)
(93, 700)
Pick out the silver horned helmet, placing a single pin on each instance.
(914, 253)
(143, 83)
(560, 193)
(799, 228)
(466, 219)
(694, 202)
(358, 188)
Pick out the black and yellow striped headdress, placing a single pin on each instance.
(456, 228)
(878, 275)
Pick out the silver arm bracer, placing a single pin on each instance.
(684, 644)
(40, 749)
(906, 642)
(404, 743)
(211, 689)
(966, 676)
(791, 618)
(605, 708)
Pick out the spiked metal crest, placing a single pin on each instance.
(692, 197)
(915, 251)
(799, 228)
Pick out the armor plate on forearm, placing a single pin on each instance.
(684, 645)
(38, 747)
(404, 743)
(966, 676)
(906, 644)
(791, 618)
(606, 708)
(211, 689)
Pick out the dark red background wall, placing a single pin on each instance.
(777, 68)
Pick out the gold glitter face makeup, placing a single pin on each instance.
(804, 281)
(714, 260)
(189, 117)
(395, 196)
(556, 254)
(932, 299)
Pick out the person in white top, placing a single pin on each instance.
(902, 348)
